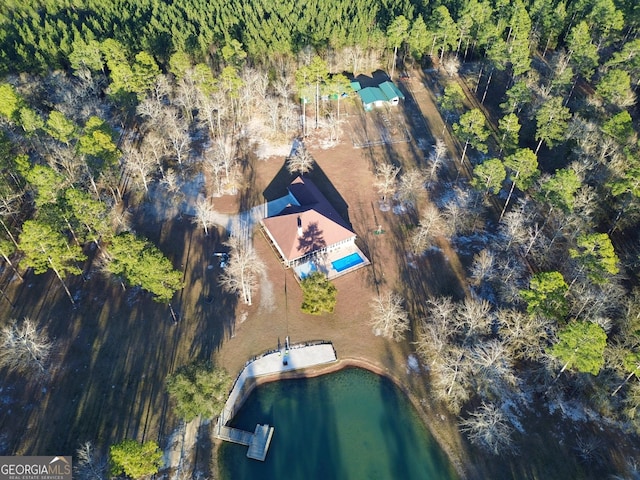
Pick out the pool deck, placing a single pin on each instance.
(325, 264)
(297, 357)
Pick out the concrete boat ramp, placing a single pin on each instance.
(282, 360)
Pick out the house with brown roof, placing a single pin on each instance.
(309, 234)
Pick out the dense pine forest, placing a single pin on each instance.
(535, 181)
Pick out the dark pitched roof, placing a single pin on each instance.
(313, 224)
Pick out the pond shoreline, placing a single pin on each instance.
(353, 362)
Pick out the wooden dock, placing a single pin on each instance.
(298, 357)
(258, 441)
(235, 435)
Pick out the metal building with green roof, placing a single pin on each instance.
(384, 94)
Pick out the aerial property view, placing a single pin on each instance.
(330, 240)
(309, 234)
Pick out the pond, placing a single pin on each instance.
(351, 424)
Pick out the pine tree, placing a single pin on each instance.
(581, 346)
(546, 295)
(46, 248)
(523, 166)
(489, 175)
(551, 122)
(318, 294)
(199, 389)
(397, 34)
(471, 130)
(595, 254)
(140, 263)
(135, 459)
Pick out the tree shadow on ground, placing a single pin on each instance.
(115, 349)
(277, 188)
(373, 80)
(249, 195)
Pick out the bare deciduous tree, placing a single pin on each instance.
(431, 344)
(271, 110)
(431, 224)
(283, 86)
(213, 108)
(451, 378)
(411, 188)
(301, 161)
(65, 160)
(388, 316)
(510, 274)
(255, 84)
(161, 88)
(24, 347)
(138, 164)
(214, 165)
(489, 428)
(483, 267)
(451, 65)
(525, 336)
(332, 123)
(119, 220)
(475, 317)
(436, 159)
(493, 370)
(437, 329)
(242, 274)
(593, 301)
(177, 131)
(90, 465)
(226, 155)
(6, 250)
(205, 214)
(289, 118)
(9, 206)
(220, 162)
(154, 113)
(441, 311)
(186, 96)
(171, 182)
(155, 145)
(386, 183)
(462, 212)
(514, 225)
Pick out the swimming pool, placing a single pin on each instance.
(347, 262)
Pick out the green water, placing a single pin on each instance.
(352, 424)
